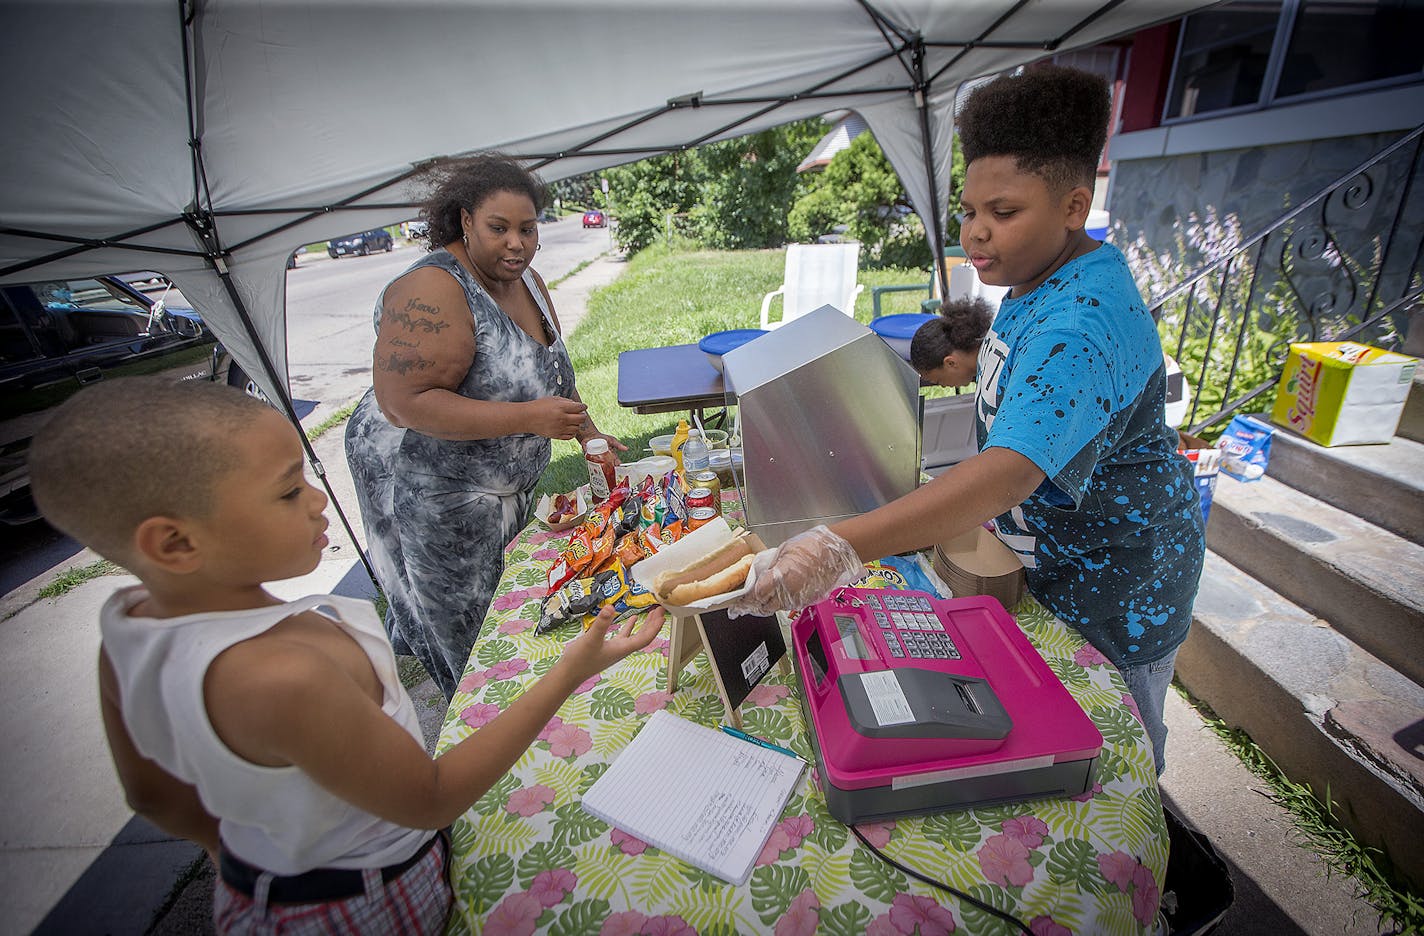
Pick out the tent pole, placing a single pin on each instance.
(219, 265)
(936, 227)
(203, 224)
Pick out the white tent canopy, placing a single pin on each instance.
(208, 139)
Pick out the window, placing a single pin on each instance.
(1252, 53)
(1222, 59)
(1347, 42)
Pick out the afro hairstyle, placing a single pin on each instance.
(1052, 120)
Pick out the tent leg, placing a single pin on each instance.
(936, 230)
(290, 410)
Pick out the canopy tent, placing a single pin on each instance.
(208, 139)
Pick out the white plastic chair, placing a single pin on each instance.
(816, 275)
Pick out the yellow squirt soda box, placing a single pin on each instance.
(1342, 393)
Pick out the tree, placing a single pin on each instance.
(860, 190)
(750, 184)
(734, 193)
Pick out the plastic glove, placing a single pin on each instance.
(802, 571)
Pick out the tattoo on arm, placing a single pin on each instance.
(417, 316)
(396, 364)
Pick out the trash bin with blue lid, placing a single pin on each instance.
(897, 330)
(719, 343)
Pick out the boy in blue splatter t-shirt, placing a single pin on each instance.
(1077, 466)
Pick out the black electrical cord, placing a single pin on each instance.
(995, 911)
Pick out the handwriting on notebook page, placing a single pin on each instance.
(696, 793)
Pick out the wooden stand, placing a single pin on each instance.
(736, 671)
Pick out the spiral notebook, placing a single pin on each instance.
(696, 793)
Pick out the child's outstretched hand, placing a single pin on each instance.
(593, 651)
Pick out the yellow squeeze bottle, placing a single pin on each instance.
(679, 439)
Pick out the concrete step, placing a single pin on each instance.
(1411, 424)
(1383, 484)
(1329, 713)
(1363, 579)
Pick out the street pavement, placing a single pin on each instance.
(75, 860)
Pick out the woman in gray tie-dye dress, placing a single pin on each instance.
(472, 380)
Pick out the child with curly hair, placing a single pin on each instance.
(1076, 466)
(945, 350)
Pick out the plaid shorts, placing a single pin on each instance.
(417, 902)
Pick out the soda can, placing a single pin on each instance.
(710, 481)
(700, 497)
(698, 516)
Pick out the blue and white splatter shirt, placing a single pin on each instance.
(1071, 377)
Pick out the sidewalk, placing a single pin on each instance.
(74, 859)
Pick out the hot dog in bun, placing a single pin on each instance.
(722, 570)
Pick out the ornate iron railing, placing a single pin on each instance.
(1345, 264)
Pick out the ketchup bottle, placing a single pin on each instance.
(601, 478)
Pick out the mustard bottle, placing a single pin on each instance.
(679, 439)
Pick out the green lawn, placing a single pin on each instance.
(666, 297)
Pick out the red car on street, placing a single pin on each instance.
(595, 218)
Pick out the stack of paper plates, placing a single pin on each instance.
(977, 563)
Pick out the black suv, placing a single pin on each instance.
(59, 335)
(361, 244)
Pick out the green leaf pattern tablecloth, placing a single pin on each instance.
(527, 857)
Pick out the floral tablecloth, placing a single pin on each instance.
(527, 857)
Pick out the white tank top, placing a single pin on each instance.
(276, 818)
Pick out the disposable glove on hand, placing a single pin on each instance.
(802, 571)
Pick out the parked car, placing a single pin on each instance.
(56, 336)
(361, 244)
(595, 218)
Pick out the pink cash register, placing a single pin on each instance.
(917, 704)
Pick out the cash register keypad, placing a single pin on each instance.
(911, 618)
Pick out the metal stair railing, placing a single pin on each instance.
(1345, 264)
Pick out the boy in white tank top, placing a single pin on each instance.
(275, 735)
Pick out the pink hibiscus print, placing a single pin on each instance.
(626, 843)
(479, 714)
(550, 887)
(569, 740)
(1088, 794)
(776, 843)
(507, 669)
(1118, 868)
(877, 833)
(1144, 895)
(473, 681)
(588, 683)
(802, 917)
(530, 801)
(650, 702)
(1089, 655)
(667, 926)
(907, 912)
(797, 828)
(1004, 861)
(515, 598)
(554, 724)
(881, 926)
(545, 555)
(627, 923)
(1030, 830)
(1045, 926)
(516, 915)
(515, 626)
(767, 695)
(542, 536)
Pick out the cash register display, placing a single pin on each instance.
(851, 643)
